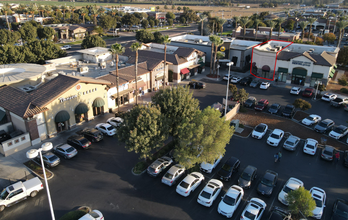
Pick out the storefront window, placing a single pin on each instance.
(282, 77)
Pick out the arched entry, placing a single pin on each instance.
(98, 106)
(81, 112)
(62, 121)
(299, 76)
(265, 71)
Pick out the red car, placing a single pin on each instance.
(263, 103)
(308, 92)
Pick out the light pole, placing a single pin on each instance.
(34, 153)
(316, 91)
(228, 83)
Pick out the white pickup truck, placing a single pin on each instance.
(19, 191)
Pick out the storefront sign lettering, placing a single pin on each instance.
(301, 63)
(67, 98)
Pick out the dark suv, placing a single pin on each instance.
(268, 183)
(197, 85)
(248, 175)
(263, 103)
(79, 141)
(324, 126)
(229, 167)
(92, 134)
(246, 81)
(250, 102)
(288, 111)
(279, 214)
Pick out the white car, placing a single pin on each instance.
(319, 197)
(295, 90)
(235, 79)
(225, 77)
(338, 132)
(290, 185)
(230, 201)
(310, 146)
(254, 210)
(275, 137)
(66, 47)
(207, 167)
(115, 121)
(328, 97)
(189, 184)
(106, 129)
(265, 85)
(311, 119)
(210, 192)
(93, 215)
(259, 131)
(173, 174)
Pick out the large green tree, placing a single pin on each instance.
(170, 15)
(144, 36)
(177, 104)
(202, 139)
(92, 41)
(130, 20)
(28, 31)
(9, 37)
(145, 129)
(45, 33)
(107, 22)
(342, 57)
(144, 23)
(301, 203)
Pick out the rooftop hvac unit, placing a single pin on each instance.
(198, 40)
(273, 49)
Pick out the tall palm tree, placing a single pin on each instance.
(117, 49)
(84, 12)
(310, 21)
(55, 8)
(64, 8)
(32, 10)
(40, 9)
(221, 22)
(341, 25)
(257, 23)
(303, 25)
(236, 20)
(48, 9)
(101, 10)
(217, 42)
(165, 40)
(272, 25)
(135, 47)
(211, 38)
(72, 9)
(94, 12)
(7, 11)
(201, 19)
(280, 21)
(244, 22)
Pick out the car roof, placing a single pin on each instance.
(292, 138)
(277, 131)
(48, 154)
(189, 178)
(233, 192)
(293, 183)
(249, 169)
(342, 127)
(270, 174)
(64, 146)
(329, 148)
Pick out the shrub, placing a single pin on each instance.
(343, 81)
(302, 104)
(344, 90)
(140, 167)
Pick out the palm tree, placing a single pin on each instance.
(244, 22)
(272, 25)
(40, 9)
(173, 8)
(84, 12)
(32, 9)
(72, 9)
(179, 9)
(55, 8)
(280, 21)
(257, 23)
(236, 20)
(47, 9)
(303, 25)
(135, 47)
(211, 38)
(341, 25)
(201, 19)
(94, 13)
(117, 49)
(310, 21)
(165, 40)
(221, 22)
(64, 8)
(7, 10)
(101, 10)
(217, 42)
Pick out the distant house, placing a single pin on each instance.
(73, 31)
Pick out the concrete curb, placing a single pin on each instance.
(242, 136)
(135, 174)
(38, 174)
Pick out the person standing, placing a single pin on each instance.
(337, 156)
(279, 155)
(276, 158)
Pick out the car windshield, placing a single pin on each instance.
(318, 203)
(184, 184)
(110, 128)
(254, 82)
(328, 152)
(326, 96)
(229, 200)
(206, 195)
(168, 175)
(84, 141)
(226, 167)
(338, 130)
(94, 215)
(260, 128)
(310, 118)
(310, 146)
(4, 194)
(249, 215)
(70, 149)
(289, 143)
(294, 90)
(53, 158)
(260, 103)
(266, 182)
(322, 124)
(287, 189)
(274, 106)
(276, 136)
(245, 176)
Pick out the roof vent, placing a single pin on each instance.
(198, 40)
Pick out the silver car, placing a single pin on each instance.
(291, 143)
(173, 174)
(159, 165)
(50, 159)
(65, 150)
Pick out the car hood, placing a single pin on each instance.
(256, 133)
(243, 182)
(335, 133)
(263, 188)
(273, 110)
(306, 121)
(270, 139)
(224, 173)
(317, 211)
(226, 208)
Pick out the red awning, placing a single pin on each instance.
(184, 71)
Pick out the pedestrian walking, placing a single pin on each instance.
(337, 157)
(275, 158)
(279, 155)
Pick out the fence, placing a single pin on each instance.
(15, 144)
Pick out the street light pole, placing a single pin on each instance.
(316, 91)
(228, 83)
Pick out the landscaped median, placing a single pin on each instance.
(37, 169)
(76, 214)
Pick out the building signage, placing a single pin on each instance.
(78, 87)
(301, 63)
(222, 48)
(67, 98)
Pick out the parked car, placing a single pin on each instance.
(159, 165)
(225, 77)
(291, 143)
(106, 129)
(255, 83)
(339, 101)
(328, 153)
(207, 167)
(324, 126)
(246, 80)
(65, 150)
(278, 213)
(328, 97)
(345, 158)
(65, 47)
(254, 209)
(340, 210)
(263, 103)
(250, 102)
(268, 183)
(288, 111)
(295, 90)
(338, 132)
(259, 131)
(265, 85)
(173, 174)
(49, 159)
(230, 201)
(210, 192)
(78, 141)
(189, 183)
(236, 79)
(308, 92)
(310, 146)
(230, 166)
(248, 175)
(290, 185)
(197, 85)
(319, 197)
(311, 119)
(115, 121)
(275, 137)
(93, 215)
(274, 108)
(92, 134)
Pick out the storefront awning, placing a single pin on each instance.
(299, 72)
(184, 71)
(317, 75)
(81, 108)
(282, 70)
(332, 73)
(2, 115)
(193, 66)
(62, 116)
(335, 66)
(98, 102)
(126, 91)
